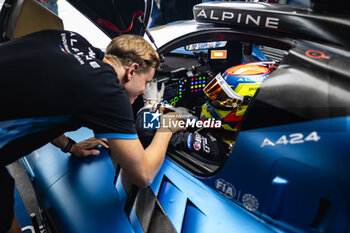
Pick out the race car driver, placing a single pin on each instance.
(56, 81)
(228, 97)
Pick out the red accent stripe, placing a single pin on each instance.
(232, 117)
(110, 25)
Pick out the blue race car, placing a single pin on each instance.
(286, 166)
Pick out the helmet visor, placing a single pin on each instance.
(219, 91)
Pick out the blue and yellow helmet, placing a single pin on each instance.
(230, 93)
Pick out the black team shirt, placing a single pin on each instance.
(52, 82)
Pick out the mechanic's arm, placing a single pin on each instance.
(141, 165)
(79, 149)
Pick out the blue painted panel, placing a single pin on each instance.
(79, 194)
(85, 199)
(77, 191)
(194, 219)
(21, 211)
(248, 169)
(311, 199)
(173, 202)
(221, 214)
(48, 164)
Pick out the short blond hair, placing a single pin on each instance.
(128, 49)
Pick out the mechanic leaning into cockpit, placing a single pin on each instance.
(228, 97)
(56, 81)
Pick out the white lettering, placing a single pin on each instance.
(209, 123)
(148, 126)
(94, 65)
(72, 41)
(225, 188)
(181, 124)
(202, 13)
(173, 123)
(296, 138)
(256, 21)
(227, 15)
(164, 124)
(218, 54)
(64, 41)
(199, 124)
(206, 124)
(282, 140)
(76, 53)
(229, 192)
(206, 147)
(79, 59)
(219, 184)
(313, 137)
(92, 53)
(272, 22)
(190, 123)
(239, 18)
(212, 15)
(267, 142)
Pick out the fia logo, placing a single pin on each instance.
(225, 188)
(151, 120)
(249, 201)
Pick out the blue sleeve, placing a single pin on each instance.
(116, 136)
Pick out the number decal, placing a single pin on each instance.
(283, 140)
(295, 138)
(313, 137)
(267, 142)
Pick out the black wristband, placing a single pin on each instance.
(69, 145)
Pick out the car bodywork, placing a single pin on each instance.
(288, 170)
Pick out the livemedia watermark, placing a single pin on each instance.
(153, 120)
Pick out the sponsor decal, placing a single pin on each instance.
(204, 142)
(218, 54)
(197, 145)
(189, 141)
(69, 47)
(206, 45)
(225, 188)
(250, 202)
(237, 17)
(316, 54)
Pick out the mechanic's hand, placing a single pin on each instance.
(152, 95)
(87, 147)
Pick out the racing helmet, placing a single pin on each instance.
(230, 93)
